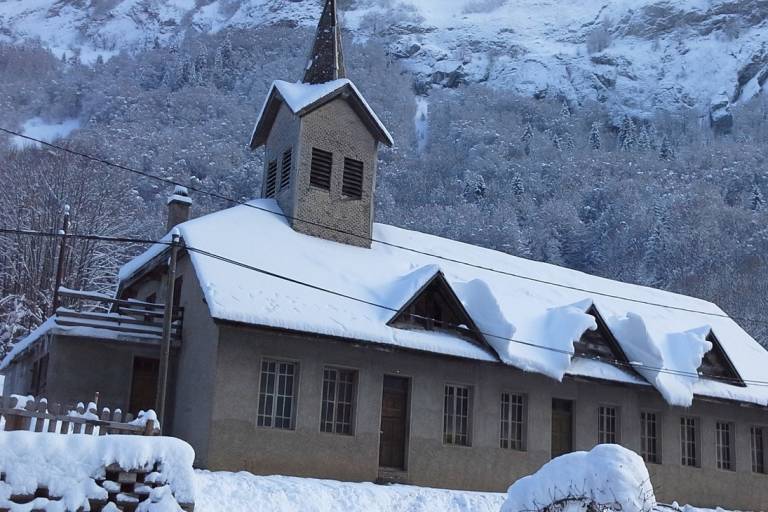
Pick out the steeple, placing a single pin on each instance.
(321, 141)
(326, 62)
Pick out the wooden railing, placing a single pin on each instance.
(37, 415)
(127, 316)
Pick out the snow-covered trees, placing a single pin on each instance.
(37, 186)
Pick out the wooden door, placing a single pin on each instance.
(143, 384)
(394, 422)
(562, 427)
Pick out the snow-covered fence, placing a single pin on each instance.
(37, 415)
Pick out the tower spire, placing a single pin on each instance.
(326, 62)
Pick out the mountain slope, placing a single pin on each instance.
(645, 55)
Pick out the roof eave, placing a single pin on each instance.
(347, 92)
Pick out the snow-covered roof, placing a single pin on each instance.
(506, 296)
(302, 98)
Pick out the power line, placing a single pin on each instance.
(100, 238)
(634, 366)
(371, 239)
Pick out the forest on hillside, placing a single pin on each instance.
(659, 200)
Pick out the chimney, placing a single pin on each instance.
(179, 205)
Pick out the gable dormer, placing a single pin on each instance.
(716, 365)
(435, 307)
(321, 143)
(601, 344)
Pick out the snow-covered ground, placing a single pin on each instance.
(244, 492)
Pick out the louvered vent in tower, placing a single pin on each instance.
(320, 169)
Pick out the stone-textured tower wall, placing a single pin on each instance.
(283, 135)
(335, 127)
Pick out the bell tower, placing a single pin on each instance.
(321, 141)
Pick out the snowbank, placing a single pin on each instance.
(70, 465)
(608, 475)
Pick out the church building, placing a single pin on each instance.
(318, 343)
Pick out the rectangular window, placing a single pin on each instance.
(513, 421)
(352, 185)
(607, 425)
(650, 442)
(456, 415)
(338, 398)
(285, 169)
(269, 190)
(277, 394)
(320, 169)
(757, 442)
(689, 441)
(723, 444)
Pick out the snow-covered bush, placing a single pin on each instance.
(609, 478)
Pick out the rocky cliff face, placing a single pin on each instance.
(636, 56)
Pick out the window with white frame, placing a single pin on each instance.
(456, 415)
(689, 441)
(513, 419)
(650, 437)
(724, 445)
(608, 425)
(757, 444)
(338, 401)
(277, 394)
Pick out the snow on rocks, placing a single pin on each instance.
(609, 476)
(71, 467)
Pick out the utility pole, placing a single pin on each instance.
(60, 262)
(165, 343)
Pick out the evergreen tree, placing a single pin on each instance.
(518, 189)
(568, 142)
(557, 142)
(644, 139)
(627, 136)
(565, 110)
(595, 141)
(665, 150)
(652, 265)
(527, 138)
(474, 187)
(757, 201)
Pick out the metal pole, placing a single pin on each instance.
(60, 262)
(165, 343)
